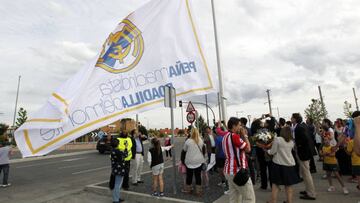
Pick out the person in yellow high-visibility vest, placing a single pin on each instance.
(126, 142)
(122, 145)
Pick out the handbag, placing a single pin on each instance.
(242, 176)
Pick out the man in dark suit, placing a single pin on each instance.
(304, 153)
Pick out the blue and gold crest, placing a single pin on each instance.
(122, 50)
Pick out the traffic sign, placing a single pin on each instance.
(190, 107)
(190, 117)
(170, 97)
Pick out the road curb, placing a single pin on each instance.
(134, 196)
(13, 161)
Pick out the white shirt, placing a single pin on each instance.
(282, 152)
(194, 156)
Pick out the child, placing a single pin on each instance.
(156, 162)
(330, 165)
(118, 168)
(355, 161)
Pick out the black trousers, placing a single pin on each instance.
(344, 161)
(125, 184)
(251, 163)
(168, 153)
(190, 173)
(265, 168)
(5, 169)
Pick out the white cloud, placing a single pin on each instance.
(288, 46)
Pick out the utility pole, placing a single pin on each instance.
(356, 100)
(207, 110)
(277, 108)
(220, 117)
(16, 101)
(137, 122)
(221, 85)
(269, 100)
(321, 100)
(170, 102)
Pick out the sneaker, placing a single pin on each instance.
(226, 192)
(161, 194)
(6, 185)
(155, 194)
(221, 184)
(331, 189)
(346, 191)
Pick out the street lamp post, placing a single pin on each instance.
(16, 101)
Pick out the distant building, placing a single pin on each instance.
(125, 125)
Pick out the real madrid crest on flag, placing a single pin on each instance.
(122, 50)
(155, 46)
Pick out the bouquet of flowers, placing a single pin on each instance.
(264, 138)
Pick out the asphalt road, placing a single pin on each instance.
(43, 180)
(17, 154)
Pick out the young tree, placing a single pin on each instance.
(316, 111)
(143, 130)
(347, 109)
(3, 128)
(22, 117)
(200, 123)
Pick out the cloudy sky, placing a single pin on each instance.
(287, 46)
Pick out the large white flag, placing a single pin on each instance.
(154, 46)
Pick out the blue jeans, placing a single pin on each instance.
(5, 169)
(116, 190)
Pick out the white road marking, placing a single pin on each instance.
(91, 170)
(74, 166)
(41, 164)
(51, 162)
(74, 159)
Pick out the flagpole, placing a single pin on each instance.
(221, 85)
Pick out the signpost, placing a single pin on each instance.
(191, 116)
(190, 107)
(170, 102)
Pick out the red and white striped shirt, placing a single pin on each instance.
(231, 167)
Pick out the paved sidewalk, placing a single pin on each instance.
(214, 194)
(321, 186)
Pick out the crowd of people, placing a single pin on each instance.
(234, 154)
(242, 162)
